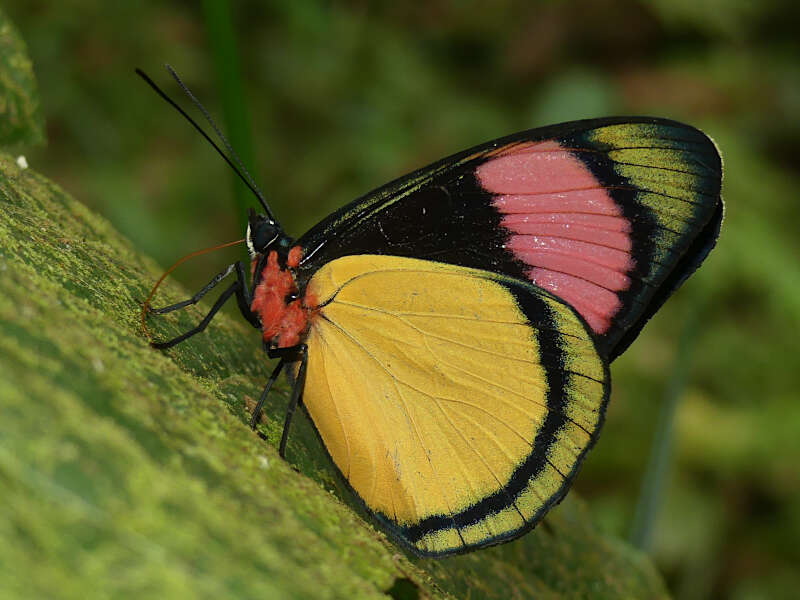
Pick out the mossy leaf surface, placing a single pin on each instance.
(128, 472)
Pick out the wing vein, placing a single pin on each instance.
(446, 316)
(336, 408)
(501, 486)
(395, 382)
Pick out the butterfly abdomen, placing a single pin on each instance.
(276, 300)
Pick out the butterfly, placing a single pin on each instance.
(450, 333)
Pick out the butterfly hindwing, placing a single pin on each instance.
(457, 403)
(611, 215)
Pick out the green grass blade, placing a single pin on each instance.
(651, 494)
(222, 38)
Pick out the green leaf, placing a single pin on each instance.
(21, 119)
(128, 472)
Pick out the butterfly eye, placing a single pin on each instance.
(264, 234)
(261, 233)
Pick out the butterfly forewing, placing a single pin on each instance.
(608, 214)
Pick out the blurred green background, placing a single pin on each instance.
(338, 98)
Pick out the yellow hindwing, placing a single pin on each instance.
(456, 403)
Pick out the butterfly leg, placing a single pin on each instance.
(243, 300)
(257, 410)
(295, 400)
(230, 291)
(243, 297)
(196, 298)
(286, 355)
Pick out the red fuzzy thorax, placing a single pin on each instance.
(283, 323)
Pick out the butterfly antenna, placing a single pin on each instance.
(248, 180)
(252, 184)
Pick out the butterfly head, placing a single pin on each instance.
(264, 234)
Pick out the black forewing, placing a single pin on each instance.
(442, 213)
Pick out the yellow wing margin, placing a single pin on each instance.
(458, 404)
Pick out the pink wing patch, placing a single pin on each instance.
(565, 225)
